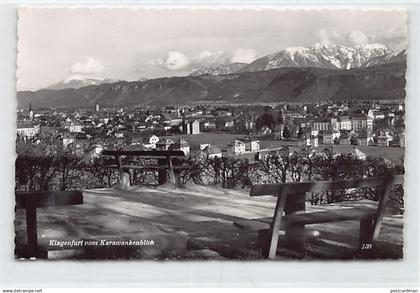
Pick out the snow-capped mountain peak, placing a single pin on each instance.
(79, 81)
(320, 55)
(220, 69)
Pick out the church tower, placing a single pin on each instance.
(31, 113)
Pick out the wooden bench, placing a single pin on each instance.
(289, 213)
(30, 201)
(164, 163)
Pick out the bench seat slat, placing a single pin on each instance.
(40, 199)
(142, 167)
(309, 218)
(152, 153)
(150, 167)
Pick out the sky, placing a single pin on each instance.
(129, 44)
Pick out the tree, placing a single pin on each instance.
(286, 132)
(336, 140)
(300, 132)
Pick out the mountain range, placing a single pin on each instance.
(220, 69)
(77, 81)
(291, 84)
(318, 56)
(320, 72)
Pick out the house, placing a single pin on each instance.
(334, 123)
(345, 138)
(153, 140)
(384, 139)
(172, 119)
(361, 121)
(364, 137)
(236, 148)
(358, 154)
(203, 146)
(321, 124)
(67, 140)
(313, 132)
(251, 145)
(311, 141)
(402, 139)
(27, 129)
(119, 134)
(191, 127)
(210, 152)
(314, 141)
(378, 115)
(224, 123)
(329, 136)
(210, 124)
(364, 140)
(182, 145)
(344, 123)
(79, 147)
(164, 145)
(73, 126)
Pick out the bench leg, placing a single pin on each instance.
(124, 181)
(367, 227)
(264, 238)
(177, 176)
(31, 232)
(162, 176)
(295, 239)
(295, 233)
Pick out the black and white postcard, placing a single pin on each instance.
(210, 134)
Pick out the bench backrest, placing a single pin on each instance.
(319, 186)
(163, 158)
(38, 199)
(283, 190)
(151, 154)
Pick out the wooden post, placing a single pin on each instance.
(162, 178)
(367, 227)
(278, 214)
(382, 207)
(124, 177)
(177, 174)
(31, 231)
(30, 201)
(171, 169)
(295, 233)
(264, 240)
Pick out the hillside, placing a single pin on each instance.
(220, 69)
(385, 81)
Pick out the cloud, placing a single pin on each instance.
(329, 36)
(175, 60)
(395, 37)
(209, 58)
(89, 66)
(243, 55)
(357, 38)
